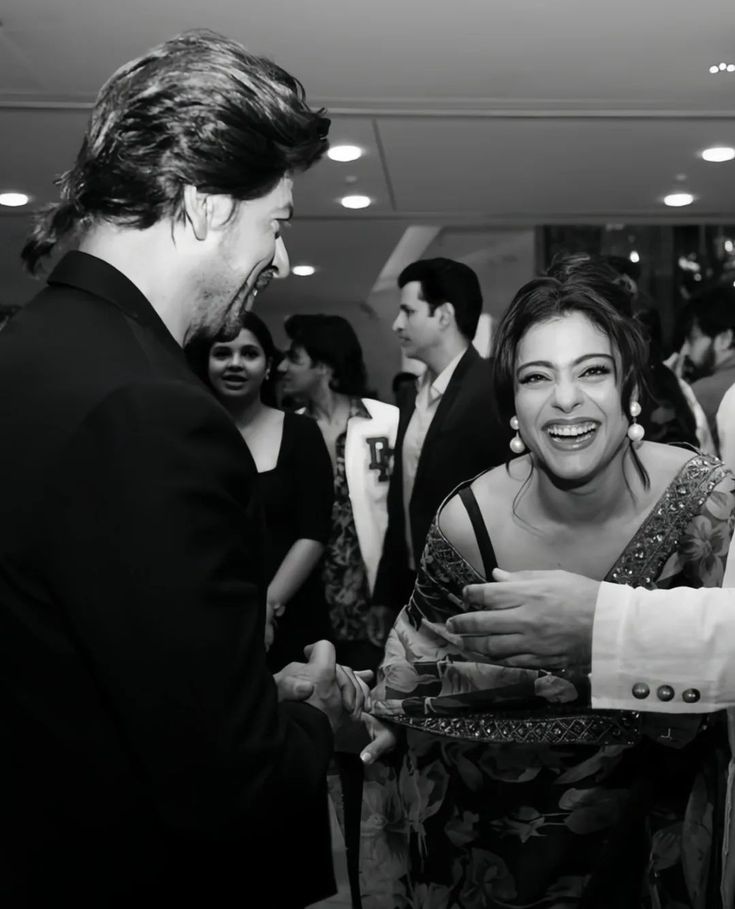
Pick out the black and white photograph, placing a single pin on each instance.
(367, 443)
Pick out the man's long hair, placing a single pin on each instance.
(198, 110)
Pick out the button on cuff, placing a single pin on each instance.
(665, 693)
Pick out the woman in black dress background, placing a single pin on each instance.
(295, 483)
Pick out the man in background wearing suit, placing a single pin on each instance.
(451, 432)
(148, 756)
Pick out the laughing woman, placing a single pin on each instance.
(505, 789)
(294, 483)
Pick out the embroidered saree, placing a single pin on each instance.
(507, 790)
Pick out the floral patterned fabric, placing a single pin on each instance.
(508, 790)
(345, 579)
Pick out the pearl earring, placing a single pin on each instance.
(516, 443)
(635, 430)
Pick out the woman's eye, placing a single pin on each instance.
(531, 378)
(597, 371)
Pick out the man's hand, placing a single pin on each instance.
(533, 619)
(379, 623)
(353, 685)
(293, 683)
(335, 690)
(321, 673)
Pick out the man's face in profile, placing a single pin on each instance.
(245, 254)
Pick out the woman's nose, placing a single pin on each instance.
(567, 394)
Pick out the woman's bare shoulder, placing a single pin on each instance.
(664, 461)
(496, 486)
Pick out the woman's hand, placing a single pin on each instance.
(384, 739)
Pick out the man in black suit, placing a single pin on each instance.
(452, 430)
(148, 757)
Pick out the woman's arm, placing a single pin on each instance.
(297, 565)
(308, 461)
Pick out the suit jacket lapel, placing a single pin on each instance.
(395, 490)
(446, 402)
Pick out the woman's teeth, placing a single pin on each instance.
(571, 431)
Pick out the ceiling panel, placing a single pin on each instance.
(413, 52)
(38, 145)
(318, 190)
(543, 168)
(17, 74)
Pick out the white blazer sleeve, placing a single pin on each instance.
(682, 638)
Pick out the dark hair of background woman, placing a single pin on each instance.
(197, 354)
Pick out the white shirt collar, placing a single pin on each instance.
(440, 383)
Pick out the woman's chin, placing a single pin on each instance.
(568, 472)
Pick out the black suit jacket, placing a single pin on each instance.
(145, 755)
(464, 438)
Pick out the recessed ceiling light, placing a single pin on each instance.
(355, 201)
(344, 152)
(303, 271)
(723, 67)
(13, 199)
(677, 200)
(718, 153)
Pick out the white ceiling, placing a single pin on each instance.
(475, 114)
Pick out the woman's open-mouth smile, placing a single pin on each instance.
(571, 435)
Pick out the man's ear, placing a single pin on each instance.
(447, 316)
(206, 211)
(195, 210)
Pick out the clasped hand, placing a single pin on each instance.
(338, 691)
